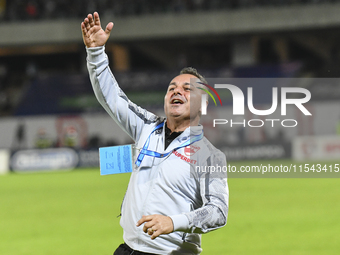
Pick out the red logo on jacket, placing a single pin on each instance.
(191, 150)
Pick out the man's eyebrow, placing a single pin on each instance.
(185, 84)
(191, 85)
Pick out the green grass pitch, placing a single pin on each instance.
(76, 212)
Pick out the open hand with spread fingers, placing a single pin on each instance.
(93, 34)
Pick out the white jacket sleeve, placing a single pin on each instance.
(215, 197)
(130, 117)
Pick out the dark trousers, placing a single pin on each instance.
(124, 249)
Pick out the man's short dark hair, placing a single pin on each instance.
(193, 71)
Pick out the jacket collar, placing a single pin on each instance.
(188, 133)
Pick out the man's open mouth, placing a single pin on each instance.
(176, 101)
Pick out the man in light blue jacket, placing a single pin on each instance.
(170, 200)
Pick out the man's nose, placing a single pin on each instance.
(178, 90)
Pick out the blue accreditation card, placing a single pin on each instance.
(116, 159)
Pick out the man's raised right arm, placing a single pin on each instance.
(128, 116)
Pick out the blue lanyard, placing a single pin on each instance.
(155, 154)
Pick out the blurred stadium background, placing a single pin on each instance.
(50, 119)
